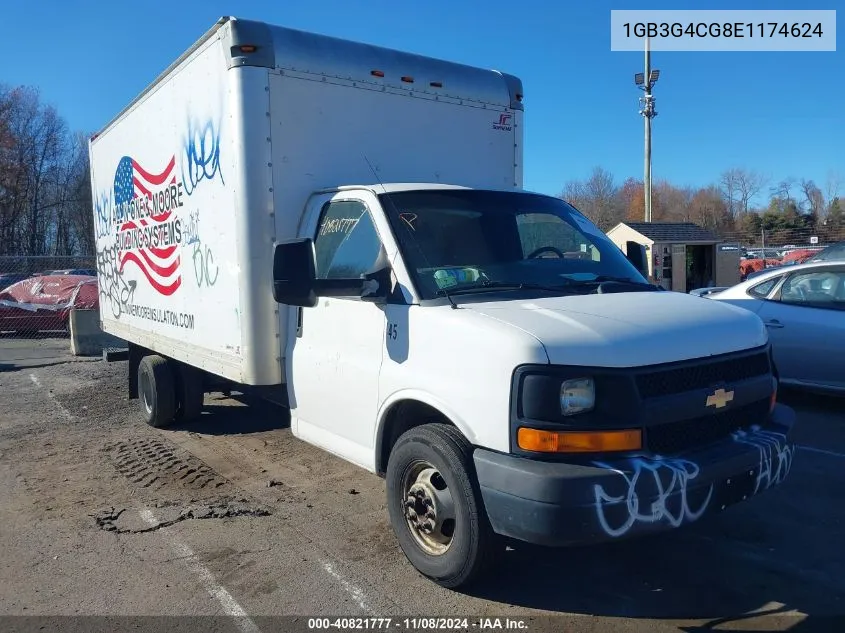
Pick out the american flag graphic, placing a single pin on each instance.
(161, 266)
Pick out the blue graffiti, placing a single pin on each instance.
(191, 231)
(103, 214)
(202, 156)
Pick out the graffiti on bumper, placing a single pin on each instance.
(665, 479)
(775, 456)
(656, 489)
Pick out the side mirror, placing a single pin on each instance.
(636, 254)
(295, 280)
(294, 273)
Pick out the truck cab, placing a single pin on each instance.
(512, 373)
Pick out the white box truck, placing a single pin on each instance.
(345, 225)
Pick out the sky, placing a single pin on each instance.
(778, 113)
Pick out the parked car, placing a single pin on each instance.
(803, 307)
(76, 271)
(7, 279)
(834, 252)
(43, 303)
(703, 292)
(760, 253)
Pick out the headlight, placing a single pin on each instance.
(577, 396)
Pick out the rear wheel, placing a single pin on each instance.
(157, 390)
(190, 392)
(436, 508)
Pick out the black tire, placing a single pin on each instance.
(190, 393)
(473, 546)
(157, 391)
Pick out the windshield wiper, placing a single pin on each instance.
(620, 280)
(490, 286)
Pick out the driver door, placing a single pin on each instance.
(337, 354)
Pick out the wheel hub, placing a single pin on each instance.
(421, 507)
(429, 508)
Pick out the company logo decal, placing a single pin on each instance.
(149, 231)
(504, 122)
(720, 398)
(141, 222)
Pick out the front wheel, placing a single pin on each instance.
(436, 508)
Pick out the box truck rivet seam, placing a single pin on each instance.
(373, 263)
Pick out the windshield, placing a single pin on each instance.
(454, 239)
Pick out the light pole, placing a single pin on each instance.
(646, 81)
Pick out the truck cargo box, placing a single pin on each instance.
(211, 165)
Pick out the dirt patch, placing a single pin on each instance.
(154, 463)
(124, 521)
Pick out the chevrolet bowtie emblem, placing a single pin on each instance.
(720, 398)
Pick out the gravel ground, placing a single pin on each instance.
(101, 515)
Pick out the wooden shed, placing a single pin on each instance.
(682, 256)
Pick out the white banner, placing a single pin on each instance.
(723, 30)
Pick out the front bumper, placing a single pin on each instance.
(554, 503)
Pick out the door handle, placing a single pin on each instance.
(774, 323)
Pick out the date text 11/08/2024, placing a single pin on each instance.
(418, 624)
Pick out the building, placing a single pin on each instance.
(682, 256)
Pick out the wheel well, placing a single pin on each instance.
(403, 416)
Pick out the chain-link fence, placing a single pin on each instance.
(778, 246)
(38, 293)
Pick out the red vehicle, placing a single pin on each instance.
(43, 303)
(7, 279)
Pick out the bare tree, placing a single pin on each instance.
(835, 180)
(749, 185)
(78, 203)
(573, 193)
(601, 190)
(43, 178)
(782, 191)
(709, 209)
(37, 134)
(813, 201)
(8, 167)
(597, 198)
(672, 203)
(729, 182)
(603, 205)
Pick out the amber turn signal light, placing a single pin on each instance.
(579, 441)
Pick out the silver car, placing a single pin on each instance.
(803, 307)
